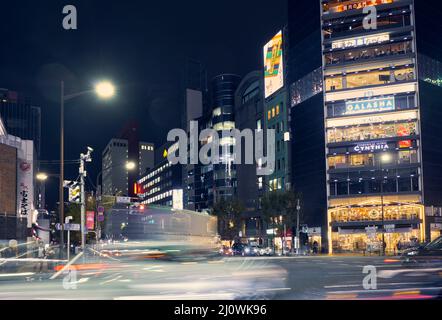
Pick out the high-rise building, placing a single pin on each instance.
(379, 121)
(20, 117)
(223, 119)
(249, 105)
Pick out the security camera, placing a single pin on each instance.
(90, 149)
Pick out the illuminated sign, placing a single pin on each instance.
(370, 105)
(388, 117)
(177, 199)
(273, 65)
(371, 146)
(90, 220)
(360, 5)
(361, 41)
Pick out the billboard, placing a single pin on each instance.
(273, 65)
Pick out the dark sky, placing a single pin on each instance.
(140, 45)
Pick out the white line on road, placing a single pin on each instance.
(380, 284)
(111, 280)
(274, 289)
(23, 274)
(385, 290)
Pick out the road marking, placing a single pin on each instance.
(189, 263)
(380, 284)
(190, 296)
(111, 280)
(23, 274)
(274, 289)
(385, 290)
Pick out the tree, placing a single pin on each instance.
(229, 217)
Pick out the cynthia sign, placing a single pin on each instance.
(370, 105)
(371, 146)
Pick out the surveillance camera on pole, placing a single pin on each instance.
(83, 159)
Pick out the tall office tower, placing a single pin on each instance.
(223, 119)
(249, 115)
(306, 116)
(116, 177)
(195, 94)
(373, 129)
(20, 117)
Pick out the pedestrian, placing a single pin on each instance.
(315, 247)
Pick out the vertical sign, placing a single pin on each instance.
(90, 220)
(25, 182)
(273, 65)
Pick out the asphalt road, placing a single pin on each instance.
(228, 278)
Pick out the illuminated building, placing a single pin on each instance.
(162, 184)
(375, 146)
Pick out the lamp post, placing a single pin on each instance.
(104, 90)
(129, 165)
(385, 158)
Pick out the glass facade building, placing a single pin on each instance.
(372, 126)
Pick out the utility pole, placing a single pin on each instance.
(83, 159)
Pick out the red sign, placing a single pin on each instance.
(90, 220)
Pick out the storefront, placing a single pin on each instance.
(362, 229)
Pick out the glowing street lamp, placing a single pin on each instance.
(130, 165)
(41, 176)
(105, 89)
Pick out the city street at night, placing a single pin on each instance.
(287, 278)
(220, 159)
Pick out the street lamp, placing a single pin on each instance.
(385, 159)
(41, 176)
(129, 165)
(104, 90)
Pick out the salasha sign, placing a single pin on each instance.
(370, 105)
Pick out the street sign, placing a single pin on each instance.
(124, 200)
(69, 226)
(100, 209)
(100, 217)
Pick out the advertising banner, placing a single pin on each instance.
(273, 65)
(90, 220)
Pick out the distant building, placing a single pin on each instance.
(162, 185)
(116, 177)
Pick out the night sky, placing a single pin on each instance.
(139, 45)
